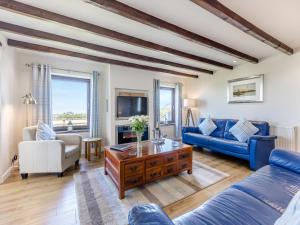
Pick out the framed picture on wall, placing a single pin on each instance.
(245, 90)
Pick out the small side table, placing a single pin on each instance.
(89, 143)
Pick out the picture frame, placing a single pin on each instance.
(246, 90)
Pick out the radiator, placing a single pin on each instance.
(286, 137)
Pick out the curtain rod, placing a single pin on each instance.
(67, 70)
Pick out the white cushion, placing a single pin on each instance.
(291, 216)
(44, 132)
(243, 130)
(207, 126)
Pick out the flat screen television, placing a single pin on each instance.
(130, 106)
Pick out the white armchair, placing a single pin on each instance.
(53, 156)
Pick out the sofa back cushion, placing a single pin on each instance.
(219, 131)
(262, 126)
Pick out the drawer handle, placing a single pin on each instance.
(183, 166)
(170, 170)
(184, 156)
(153, 174)
(170, 159)
(133, 169)
(153, 163)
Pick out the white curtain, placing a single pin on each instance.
(95, 107)
(178, 110)
(41, 91)
(156, 103)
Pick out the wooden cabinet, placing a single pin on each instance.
(128, 173)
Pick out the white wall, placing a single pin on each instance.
(9, 108)
(281, 104)
(128, 78)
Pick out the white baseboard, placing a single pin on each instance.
(6, 175)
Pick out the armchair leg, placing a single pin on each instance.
(77, 163)
(24, 176)
(60, 174)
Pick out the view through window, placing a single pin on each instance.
(167, 105)
(70, 103)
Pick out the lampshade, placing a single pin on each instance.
(29, 99)
(189, 103)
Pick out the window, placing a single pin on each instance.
(70, 103)
(167, 105)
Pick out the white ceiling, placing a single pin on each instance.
(278, 17)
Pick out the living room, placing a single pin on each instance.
(213, 86)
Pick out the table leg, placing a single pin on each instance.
(89, 152)
(121, 194)
(96, 148)
(190, 171)
(99, 148)
(85, 148)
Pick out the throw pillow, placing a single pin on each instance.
(44, 132)
(291, 215)
(207, 126)
(243, 130)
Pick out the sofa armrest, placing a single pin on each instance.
(41, 156)
(70, 139)
(285, 159)
(190, 130)
(260, 148)
(148, 214)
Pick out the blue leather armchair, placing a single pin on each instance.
(259, 199)
(256, 150)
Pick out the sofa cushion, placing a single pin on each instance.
(229, 145)
(207, 126)
(283, 185)
(196, 139)
(70, 150)
(232, 207)
(243, 130)
(219, 131)
(262, 126)
(291, 216)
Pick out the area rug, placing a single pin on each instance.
(98, 202)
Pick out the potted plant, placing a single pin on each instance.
(138, 125)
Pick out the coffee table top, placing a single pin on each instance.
(91, 139)
(148, 149)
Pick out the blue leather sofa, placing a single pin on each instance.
(256, 150)
(259, 199)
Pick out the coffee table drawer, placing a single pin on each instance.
(154, 162)
(183, 165)
(134, 181)
(169, 170)
(153, 174)
(134, 168)
(184, 155)
(171, 158)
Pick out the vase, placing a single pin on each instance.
(139, 139)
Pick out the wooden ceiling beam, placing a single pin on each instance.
(226, 14)
(42, 48)
(35, 12)
(147, 19)
(53, 37)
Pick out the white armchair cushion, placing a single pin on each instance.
(44, 132)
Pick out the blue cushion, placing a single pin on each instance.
(229, 145)
(262, 126)
(220, 123)
(196, 139)
(232, 207)
(272, 185)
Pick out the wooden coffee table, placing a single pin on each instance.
(134, 167)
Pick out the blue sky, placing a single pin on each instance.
(69, 96)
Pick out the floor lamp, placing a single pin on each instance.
(28, 100)
(188, 104)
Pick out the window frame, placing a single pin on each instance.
(173, 105)
(82, 80)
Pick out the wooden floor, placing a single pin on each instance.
(49, 200)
